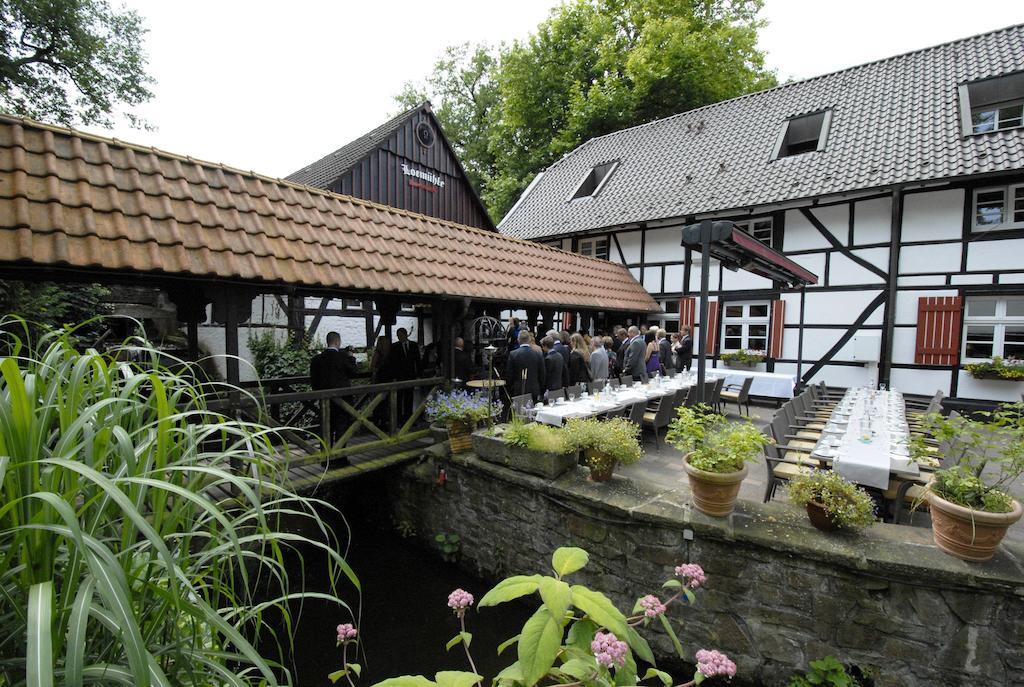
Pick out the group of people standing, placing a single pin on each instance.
(562, 359)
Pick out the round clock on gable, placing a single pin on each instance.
(425, 134)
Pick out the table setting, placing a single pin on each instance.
(590, 404)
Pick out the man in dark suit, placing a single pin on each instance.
(555, 371)
(633, 362)
(664, 351)
(621, 337)
(333, 368)
(462, 366)
(684, 354)
(524, 372)
(403, 364)
(561, 345)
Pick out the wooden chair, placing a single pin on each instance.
(635, 413)
(627, 380)
(738, 394)
(662, 417)
(555, 394)
(519, 404)
(796, 426)
(598, 385)
(716, 395)
(779, 468)
(574, 390)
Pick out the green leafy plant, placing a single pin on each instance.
(743, 356)
(121, 558)
(997, 368)
(577, 637)
(450, 545)
(460, 406)
(846, 504)
(714, 443)
(274, 358)
(616, 440)
(986, 457)
(536, 436)
(827, 671)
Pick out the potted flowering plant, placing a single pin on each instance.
(970, 504)
(605, 444)
(742, 358)
(832, 502)
(717, 451)
(1010, 369)
(460, 411)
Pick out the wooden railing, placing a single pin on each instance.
(370, 411)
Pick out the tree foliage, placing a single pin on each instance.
(593, 67)
(71, 60)
(48, 305)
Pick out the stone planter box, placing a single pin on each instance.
(493, 449)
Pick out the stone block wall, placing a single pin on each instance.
(779, 593)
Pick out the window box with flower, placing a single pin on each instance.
(1009, 369)
(742, 358)
(460, 411)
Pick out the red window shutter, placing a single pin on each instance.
(777, 329)
(712, 328)
(687, 312)
(567, 318)
(938, 330)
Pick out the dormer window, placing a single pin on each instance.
(992, 104)
(595, 180)
(803, 134)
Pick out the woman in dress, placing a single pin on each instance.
(579, 360)
(651, 355)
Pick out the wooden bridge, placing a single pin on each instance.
(375, 434)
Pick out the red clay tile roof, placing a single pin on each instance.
(72, 199)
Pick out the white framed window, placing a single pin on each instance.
(593, 248)
(1000, 207)
(594, 180)
(760, 228)
(993, 326)
(993, 104)
(745, 326)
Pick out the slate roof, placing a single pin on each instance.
(70, 199)
(328, 168)
(894, 121)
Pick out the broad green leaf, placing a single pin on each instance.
(356, 668)
(510, 588)
(665, 678)
(689, 596)
(453, 642)
(336, 675)
(639, 645)
(538, 646)
(406, 681)
(39, 658)
(579, 668)
(568, 559)
(467, 637)
(507, 643)
(513, 673)
(671, 584)
(456, 678)
(581, 634)
(600, 609)
(672, 634)
(626, 675)
(556, 596)
(698, 677)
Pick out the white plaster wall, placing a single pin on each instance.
(933, 215)
(630, 243)
(674, 277)
(652, 279)
(566, 244)
(904, 345)
(906, 303)
(1011, 278)
(743, 280)
(800, 234)
(1006, 254)
(958, 279)
(635, 271)
(993, 389)
(843, 271)
(841, 307)
(813, 263)
(924, 382)
(664, 245)
(713, 281)
(930, 280)
(840, 375)
(943, 257)
(816, 342)
(871, 221)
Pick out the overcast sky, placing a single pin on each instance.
(273, 86)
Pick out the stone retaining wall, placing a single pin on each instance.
(779, 593)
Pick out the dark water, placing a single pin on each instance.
(405, 621)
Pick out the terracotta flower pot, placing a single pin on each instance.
(605, 465)
(460, 434)
(819, 517)
(714, 493)
(971, 535)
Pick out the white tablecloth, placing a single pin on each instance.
(587, 407)
(765, 383)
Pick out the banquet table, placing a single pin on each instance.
(866, 439)
(602, 402)
(770, 384)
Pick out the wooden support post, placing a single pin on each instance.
(889, 314)
(231, 340)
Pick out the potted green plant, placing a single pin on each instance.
(605, 444)
(742, 358)
(832, 503)
(531, 447)
(1010, 369)
(460, 411)
(716, 453)
(970, 504)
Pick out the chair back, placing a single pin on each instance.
(519, 404)
(935, 405)
(716, 394)
(598, 385)
(636, 413)
(788, 413)
(613, 382)
(745, 389)
(626, 380)
(665, 412)
(679, 398)
(671, 372)
(574, 390)
(555, 394)
(709, 391)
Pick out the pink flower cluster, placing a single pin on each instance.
(652, 606)
(608, 650)
(712, 663)
(460, 600)
(346, 632)
(692, 573)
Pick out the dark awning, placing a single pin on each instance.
(738, 250)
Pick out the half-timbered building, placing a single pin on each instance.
(900, 183)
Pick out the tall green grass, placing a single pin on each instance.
(116, 564)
